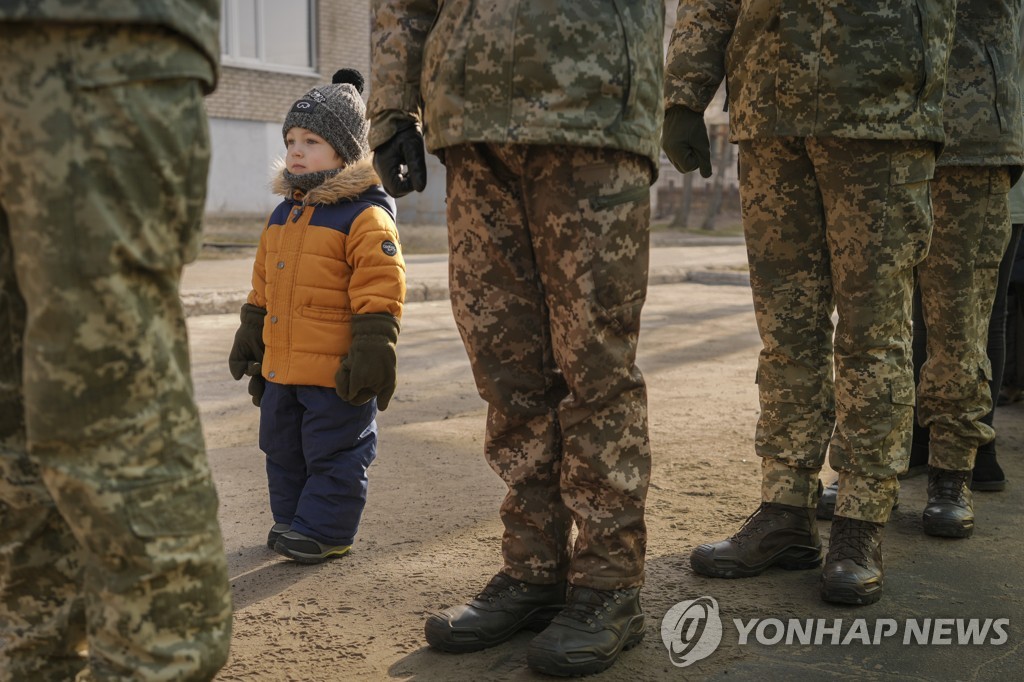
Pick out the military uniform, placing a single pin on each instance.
(549, 165)
(837, 111)
(984, 124)
(111, 559)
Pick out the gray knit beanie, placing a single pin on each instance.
(336, 113)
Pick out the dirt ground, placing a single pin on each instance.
(430, 534)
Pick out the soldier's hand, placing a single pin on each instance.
(248, 346)
(401, 162)
(685, 140)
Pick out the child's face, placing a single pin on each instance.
(308, 152)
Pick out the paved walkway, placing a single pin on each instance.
(221, 285)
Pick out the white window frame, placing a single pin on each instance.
(230, 38)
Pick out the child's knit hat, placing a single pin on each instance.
(336, 113)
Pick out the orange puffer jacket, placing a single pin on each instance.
(323, 257)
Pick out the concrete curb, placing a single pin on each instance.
(221, 302)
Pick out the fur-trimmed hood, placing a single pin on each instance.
(349, 183)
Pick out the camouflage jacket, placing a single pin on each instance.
(982, 111)
(577, 72)
(869, 69)
(197, 20)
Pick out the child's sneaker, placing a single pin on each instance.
(306, 550)
(276, 531)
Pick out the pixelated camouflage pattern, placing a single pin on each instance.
(576, 72)
(196, 20)
(111, 558)
(958, 284)
(866, 69)
(548, 275)
(982, 109)
(835, 225)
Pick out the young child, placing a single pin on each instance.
(319, 329)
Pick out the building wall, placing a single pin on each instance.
(717, 119)
(249, 104)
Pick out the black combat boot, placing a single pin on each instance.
(853, 572)
(774, 535)
(827, 501)
(950, 509)
(505, 607)
(590, 632)
(987, 475)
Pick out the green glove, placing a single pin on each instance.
(685, 140)
(257, 384)
(370, 368)
(248, 346)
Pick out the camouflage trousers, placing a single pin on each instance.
(957, 281)
(548, 274)
(835, 225)
(111, 559)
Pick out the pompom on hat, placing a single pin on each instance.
(336, 113)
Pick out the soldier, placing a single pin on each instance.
(983, 156)
(111, 559)
(550, 147)
(957, 281)
(837, 111)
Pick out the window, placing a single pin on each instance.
(268, 34)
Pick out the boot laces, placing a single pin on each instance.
(948, 485)
(754, 523)
(852, 539)
(498, 588)
(586, 605)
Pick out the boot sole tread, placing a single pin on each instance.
(800, 560)
(439, 634)
(848, 594)
(948, 529)
(548, 663)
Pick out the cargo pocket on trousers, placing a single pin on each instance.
(141, 181)
(902, 397)
(170, 508)
(620, 285)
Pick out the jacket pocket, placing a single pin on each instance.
(141, 152)
(324, 314)
(1008, 95)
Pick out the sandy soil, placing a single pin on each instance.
(430, 533)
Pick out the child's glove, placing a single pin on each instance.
(370, 367)
(685, 140)
(248, 347)
(257, 384)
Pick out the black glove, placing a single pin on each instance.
(248, 346)
(401, 162)
(685, 140)
(371, 365)
(257, 384)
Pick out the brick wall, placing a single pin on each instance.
(342, 40)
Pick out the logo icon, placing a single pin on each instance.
(691, 631)
(389, 248)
